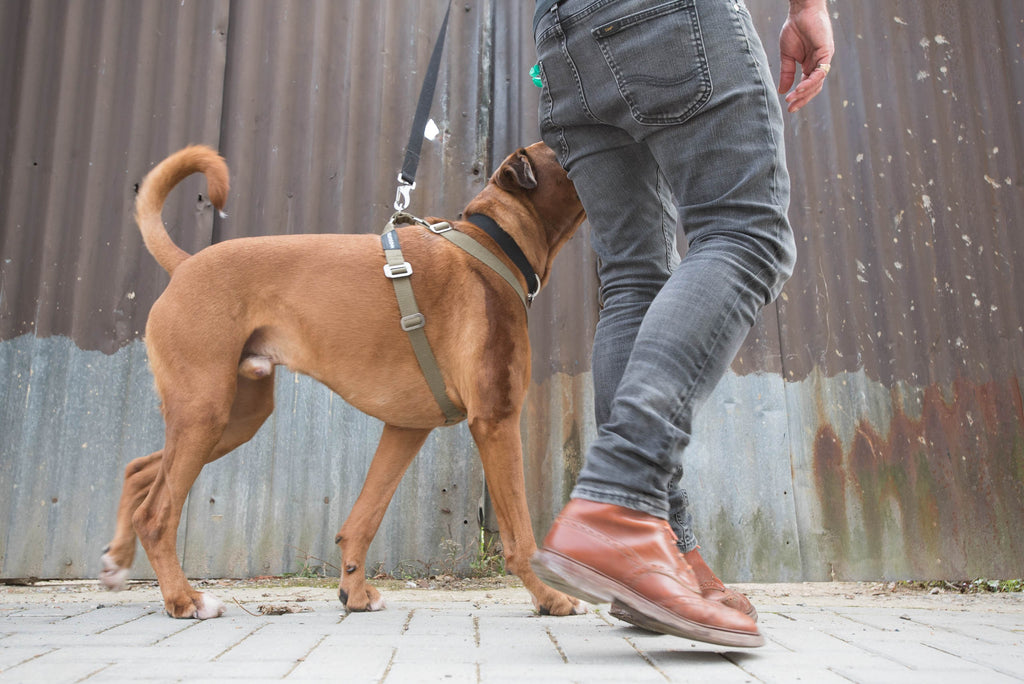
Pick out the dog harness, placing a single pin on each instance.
(412, 321)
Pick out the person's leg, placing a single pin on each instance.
(589, 546)
(637, 252)
(633, 232)
(726, 168)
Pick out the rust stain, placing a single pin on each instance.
(830, 484)
(942, 492)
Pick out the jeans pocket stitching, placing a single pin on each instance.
(701, 72)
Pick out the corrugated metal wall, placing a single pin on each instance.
(902, 332)
(871, 427)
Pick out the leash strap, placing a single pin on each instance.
(398, 270)
(407, 176)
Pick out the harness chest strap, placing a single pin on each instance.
(412, 322)
(485, 255)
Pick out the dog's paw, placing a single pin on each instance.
(112, 576)
(562, 605)
(208, 606)
(194, 605)
(378, 602)
(371, 601)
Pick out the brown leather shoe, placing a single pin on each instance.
(603, 553)
(711, 588)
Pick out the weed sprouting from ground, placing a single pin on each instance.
(484, 560)
(975, 586)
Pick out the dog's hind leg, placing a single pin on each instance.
(119, 554)
(200, 429)
(192, 433)
(395, 452)
(254, 402)
(501, 452)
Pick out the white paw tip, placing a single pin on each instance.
(209, 607)
(113, 576)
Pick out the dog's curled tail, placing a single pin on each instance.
(157, 185)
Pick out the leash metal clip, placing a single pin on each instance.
(402, 194)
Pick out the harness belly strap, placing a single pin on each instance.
(412, 322)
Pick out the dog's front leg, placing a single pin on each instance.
(395, 452)
(501, 451)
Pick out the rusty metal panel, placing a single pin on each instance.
(94, 92)
(900, 333)
(99, 93)
(310, 102)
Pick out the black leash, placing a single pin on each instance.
(407, 176)
(397, 268)
(411, 320)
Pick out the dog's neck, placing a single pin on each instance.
(539, 247)
(510, 247)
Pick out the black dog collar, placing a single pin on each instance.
(510, 248)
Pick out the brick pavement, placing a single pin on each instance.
(50, 635)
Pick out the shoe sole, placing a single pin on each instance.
(584, 583)
(622, 612)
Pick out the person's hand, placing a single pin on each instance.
(806, 40)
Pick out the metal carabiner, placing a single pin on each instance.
(402, 194)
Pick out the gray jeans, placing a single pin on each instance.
(665, 112)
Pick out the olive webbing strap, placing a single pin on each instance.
(485, 255)
(398, 270)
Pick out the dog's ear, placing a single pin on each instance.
(516, 173)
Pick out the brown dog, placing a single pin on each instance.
(321, 305)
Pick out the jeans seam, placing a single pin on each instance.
(665, 228)
(583, 13)
(638, 503)
(563, 43)
(548, 120)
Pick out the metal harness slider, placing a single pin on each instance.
(413, 322)
(402, 270)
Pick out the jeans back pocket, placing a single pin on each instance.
(658, 60)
